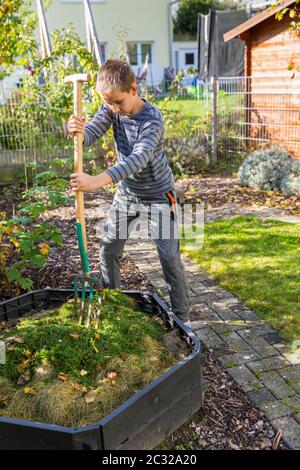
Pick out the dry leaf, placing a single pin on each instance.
(74, 335)
(89, 399)
(29, 391)
(3, 399)
(19, 340)
(277, 439)
(83, 372)
(23, 379)
(25, 363)
(111, 375)
(62, 376)
(234, 446)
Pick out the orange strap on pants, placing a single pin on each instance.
(172, 203)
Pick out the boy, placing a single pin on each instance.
(143, 174)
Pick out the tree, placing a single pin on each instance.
(185, 21)
(17, 25)
(293, 12)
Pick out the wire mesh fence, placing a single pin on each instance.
(240, 114)
(33, 134)
(248, 113)
(30, 133)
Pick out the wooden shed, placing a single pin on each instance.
(272, 90)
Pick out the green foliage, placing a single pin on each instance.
(292, 14)
(185, 20)
(184, 142)
(290, 183)
(265, 169)
(17, 26)
(47, 193)
(24, 244)
(47, 339)
(25, 239)
(186, 155)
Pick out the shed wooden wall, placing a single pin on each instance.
(275, 102)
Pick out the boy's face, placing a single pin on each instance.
(120, 102)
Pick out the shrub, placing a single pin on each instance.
(25, 239)
(265, 169)
(186, 155)
(290, 184)
(24, 244)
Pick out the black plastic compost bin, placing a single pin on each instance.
(143, 421)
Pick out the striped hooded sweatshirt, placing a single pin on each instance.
(142, 169)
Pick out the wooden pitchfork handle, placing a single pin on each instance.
(77, 80)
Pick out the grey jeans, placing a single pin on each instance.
(129, 212)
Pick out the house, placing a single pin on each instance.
(185, 54)
(146, 24)
(272, 98)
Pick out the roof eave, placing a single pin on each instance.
(240, 30)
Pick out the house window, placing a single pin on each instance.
(137, 52)
(132, 49)
(146, 49)
(189, 58)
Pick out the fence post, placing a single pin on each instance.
(214, 121)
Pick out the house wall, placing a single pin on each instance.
(145, 21)
(181, 48)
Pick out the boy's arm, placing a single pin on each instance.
(98, 126)
(141, 153)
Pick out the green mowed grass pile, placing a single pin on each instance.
(59, 372)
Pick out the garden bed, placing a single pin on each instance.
(157, 373)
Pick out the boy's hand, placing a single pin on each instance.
(84, 182)
(76, 124)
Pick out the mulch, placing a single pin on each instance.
(216, 190)
(227, 420)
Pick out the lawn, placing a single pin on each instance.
(260, 263)
(192, 108)
(188, 107)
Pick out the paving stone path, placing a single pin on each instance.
(253, 353)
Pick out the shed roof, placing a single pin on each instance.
(259, 18)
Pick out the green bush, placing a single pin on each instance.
(265, 169)
(25, 239)
(186, 155)
(290, 184)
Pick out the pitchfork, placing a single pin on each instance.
(85, 282)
